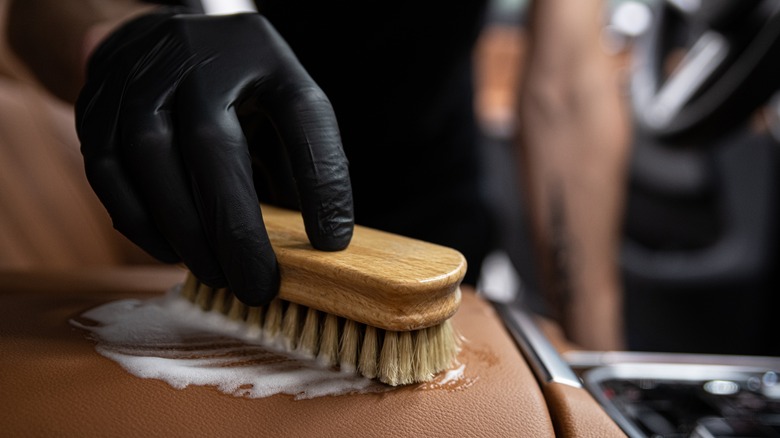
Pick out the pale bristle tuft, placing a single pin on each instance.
(388, 359)
(421, 362)
(203, 297)
(329, 341)
(219, 304)
(405, 358)
(450, 344)
(237, 310)
(395, 358)
(367, 364)
(290, 327)
(443, 345)
(189, 288)
(273, 320)
(350, 345)
(254, 318)
(308, 342)
(435, 348)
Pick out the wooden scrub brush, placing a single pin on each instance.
(381, 307)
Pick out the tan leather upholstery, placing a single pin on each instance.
(576, 413)
(55, 384)
(49, 218)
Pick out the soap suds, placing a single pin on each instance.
(454, 379)
(170, 339)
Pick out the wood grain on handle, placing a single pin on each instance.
(381, 279)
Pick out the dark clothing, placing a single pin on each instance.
(399, 76)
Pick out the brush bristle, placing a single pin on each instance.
(392, 357)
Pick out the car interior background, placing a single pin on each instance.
(699, 256)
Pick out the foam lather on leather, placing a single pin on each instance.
(54, 383)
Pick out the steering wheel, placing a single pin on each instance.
(729, 64)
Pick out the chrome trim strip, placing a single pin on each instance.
(544, 359)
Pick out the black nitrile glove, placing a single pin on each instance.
(164, 150)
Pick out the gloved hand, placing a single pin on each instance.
(158, 121)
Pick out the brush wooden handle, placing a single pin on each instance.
(381, 279)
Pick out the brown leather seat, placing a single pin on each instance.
(49, 216)
(54, 383)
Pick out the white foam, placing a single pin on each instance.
(453, 375)
(170, 339)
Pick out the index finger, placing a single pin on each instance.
(306, 123)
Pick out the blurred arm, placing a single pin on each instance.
(573, 143)
(54, 38)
